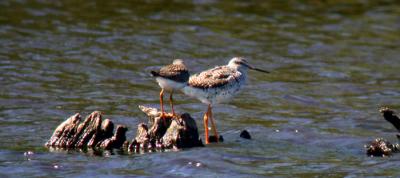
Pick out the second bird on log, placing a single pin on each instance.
(171, 78)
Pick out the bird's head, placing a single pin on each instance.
(241, 64)
(178, 61)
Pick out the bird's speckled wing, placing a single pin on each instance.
(175, 72)
(216, 77)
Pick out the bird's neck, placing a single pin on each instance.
(242, 69)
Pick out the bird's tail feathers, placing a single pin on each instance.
(155, 74)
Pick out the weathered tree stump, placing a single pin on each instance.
(380, 146)
(165, 133)
(93, 132)
(182, 133)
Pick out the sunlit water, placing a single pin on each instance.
(333, 65)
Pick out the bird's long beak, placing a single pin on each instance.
(255, 68)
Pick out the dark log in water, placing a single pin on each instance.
(165, 133)
(93, 132)
(182, 133)
(245, 134)
(389, 116)
(380, 146)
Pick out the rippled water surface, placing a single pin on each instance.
(333, 63)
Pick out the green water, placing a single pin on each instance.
(333, 63)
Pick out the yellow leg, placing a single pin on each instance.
(206, 127)
(214, 128)
(162, 105)
(161, 101)
(172, 104)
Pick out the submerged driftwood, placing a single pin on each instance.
(245, 134)
(94, 132)
(380, 146)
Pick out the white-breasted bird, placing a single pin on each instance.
(218, 85)
(171, 78)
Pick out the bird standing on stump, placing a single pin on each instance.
(171, 78)
(218, 85)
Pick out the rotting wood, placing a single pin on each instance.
(94, 132)
(381, 147)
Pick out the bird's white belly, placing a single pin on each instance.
(214, 95)
(169, 85)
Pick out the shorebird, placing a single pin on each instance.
(171, 78)
(218, 85)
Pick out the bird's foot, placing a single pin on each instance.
(163, 116)
(166, 115)
(175, 116)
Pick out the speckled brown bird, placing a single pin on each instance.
(218, 85)
(171, 78)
